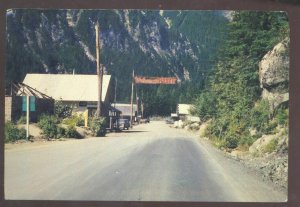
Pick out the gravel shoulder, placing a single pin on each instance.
(268, 168)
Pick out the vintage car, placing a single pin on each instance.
(124, 124)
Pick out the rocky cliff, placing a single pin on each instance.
(274, 75)
(270, 150)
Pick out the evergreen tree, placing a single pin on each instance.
(235, 83)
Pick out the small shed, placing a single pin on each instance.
(13, 103)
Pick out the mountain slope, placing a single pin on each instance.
(153, 43)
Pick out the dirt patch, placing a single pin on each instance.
(34, 130)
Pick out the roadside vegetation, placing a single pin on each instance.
(232, 96)
(13, 133)
(97, 125)
(62, 124)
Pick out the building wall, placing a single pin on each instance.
(13, 108)
(42, 106)
(8, 109)
(91, 106)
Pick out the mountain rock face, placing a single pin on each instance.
(151, 42)
(274, 74)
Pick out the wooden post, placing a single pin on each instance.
(132, 87)
(116, 82)
(142, 108)
(86, 117)
(142, 105)
(99, 71)
(137, 102)
(11, 89)
(27, 117)
(110, 122)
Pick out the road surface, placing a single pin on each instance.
(151, 162)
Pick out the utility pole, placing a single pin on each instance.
(142, 106)
(99, 71)
(116, 83)
(27, 117)
(137, 101)
(132, 87)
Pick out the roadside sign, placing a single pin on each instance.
(31, 103)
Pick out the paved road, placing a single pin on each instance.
(150, 162)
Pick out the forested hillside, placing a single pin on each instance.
(214, 54)
(232, 99)
(153, 43)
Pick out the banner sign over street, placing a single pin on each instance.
(155, 80)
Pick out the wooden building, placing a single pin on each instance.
(13, 103)
(76, 90)
(125, 110)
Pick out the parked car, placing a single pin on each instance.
(124, 124)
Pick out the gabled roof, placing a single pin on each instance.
(68, 87)
(21, 89)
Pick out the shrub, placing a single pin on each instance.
(60, 132)
(22, 133)
(74, 120)
(271, 146)
(48, 124)
(12, 133)
(22, 120)
(269, 128)
(247, 141)
(98, 126)
(61, 110)
(260, 115)
(231, 142)
(204, 106)
(282, 116)
(71, 132)
(217, 128)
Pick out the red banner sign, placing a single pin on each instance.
(155, 80)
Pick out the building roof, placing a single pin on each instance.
(184, 109)
(21, 89)
(69, 87)
(125, 108)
